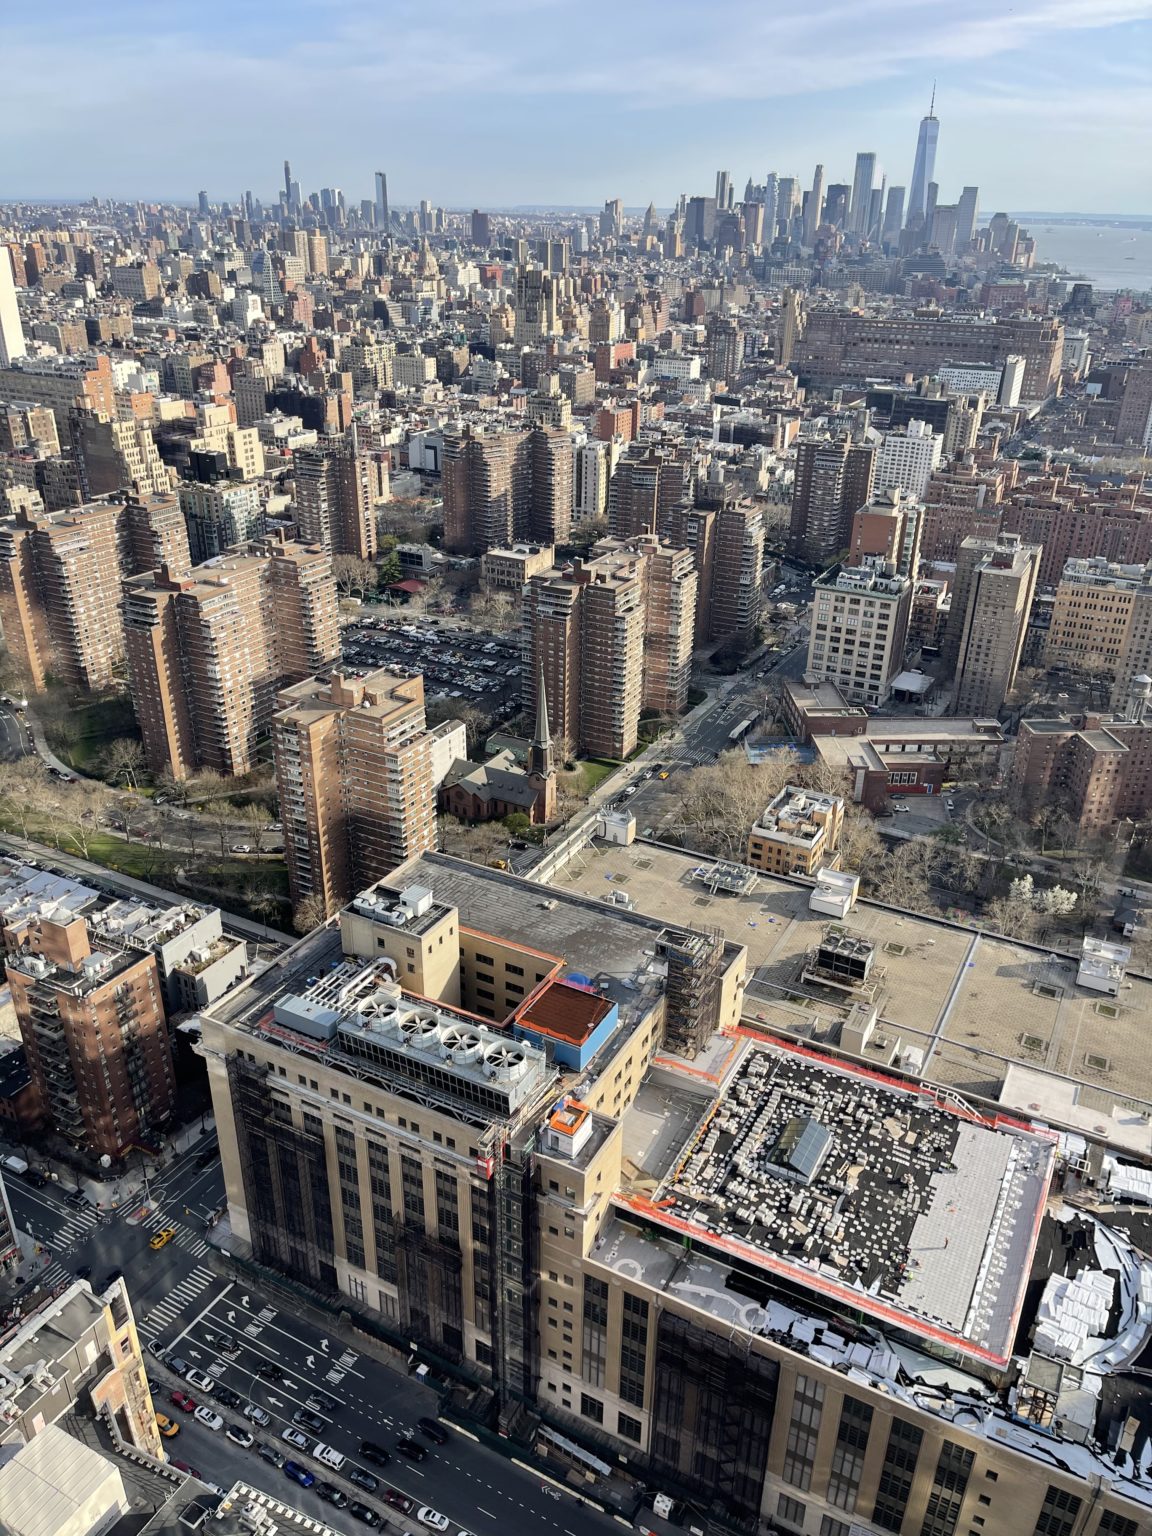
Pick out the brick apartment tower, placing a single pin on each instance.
(207, 652)
(337, 487)
(60, 595)
(355, 779)
(94, 1033)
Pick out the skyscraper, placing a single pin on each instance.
(924, 168)
(723, 191)
(815, 202)
(967, 213)
(288, 184)
(861, 206)
(11, 330)
(893, 213)
(771, 197)
(381, 200)
(1001, 581)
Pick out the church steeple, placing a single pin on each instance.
(540, 761)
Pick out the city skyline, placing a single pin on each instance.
(745, 100)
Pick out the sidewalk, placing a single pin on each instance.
(44, 751)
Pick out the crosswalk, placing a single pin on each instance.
(55, 1276)
(178, 1300)
(71, 1228)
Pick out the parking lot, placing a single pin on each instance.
(459, 664)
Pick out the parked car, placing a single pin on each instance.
(329, 1455)
(412, 1449)
(295, 1437)
(178, 1366)
(187, 1469)
(432, 1518)
(167, 1427)
(308, 1420)
(364, 1514)
(397, 1500)
(228, 1397)
(271, 1454)
(374, 1453)
(362, 1479)
(259, 1416)
(299, 1474)
(240, 1435)
(209, 1419)
(241, 848)
(182, 1400)
(204, 1383)
(433, 1430)
(332, 1495)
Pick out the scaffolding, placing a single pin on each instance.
(514, 1313)
(694, 958)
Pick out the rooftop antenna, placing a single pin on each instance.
(932, 103)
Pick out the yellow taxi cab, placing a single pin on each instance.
(167, 1427)
(158, 1239)
(663, 774)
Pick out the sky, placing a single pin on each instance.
(1045, 104)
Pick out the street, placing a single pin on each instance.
(15, 741)
(180, 1294)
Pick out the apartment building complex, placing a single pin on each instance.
(218, 516)
(1097, 767)
(963, 499)
(356, 781)
(991, 600)
(61, 383)
(797, 834)
(207, 652)
(153, 533)
(337, 488)
(850, 347)
(859, 626)
(833, 478)
(398, 1121)
(611, 636)
(95, 1034)
(60, 594)
(1093, 611)
(647, 486)
(487, 474)
(906, 459)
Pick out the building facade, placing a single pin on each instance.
(859, 627)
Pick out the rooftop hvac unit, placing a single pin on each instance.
(504, 1061)
(426, 1034)
(460, 1044)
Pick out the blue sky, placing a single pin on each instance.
(494, 102)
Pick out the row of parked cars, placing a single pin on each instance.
(299, 1436)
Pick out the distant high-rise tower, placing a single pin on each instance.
(815, 202)
(723, 191)
(381, 200)
(861, 206)
(967, 213)
(11, 330)
(202, 204)
(288, 182)
(925, 167)
(893, 213)
(771, 196)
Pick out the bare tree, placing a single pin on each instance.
(21, 799)
(221, 819)
(124, 761)
(309, 913)
(494, 611)
(354, 577)
(860, 845)
(1012, 917)
(256, 820)
(903, 878)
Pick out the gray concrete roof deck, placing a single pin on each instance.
(972, 1003)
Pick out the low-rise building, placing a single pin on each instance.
(798, 833)
(507, 569)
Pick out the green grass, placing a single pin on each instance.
(92, 725)
(595, 771)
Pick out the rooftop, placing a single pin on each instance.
(797, 815)
(866, 1191)
(971, 1004)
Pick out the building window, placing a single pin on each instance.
(592, 1408)
(896, 1474)
(1058, 1513)
(791, 1510)
(631, 1428)
(949, 1482)
(595, 1329)
(803, 1432)
(832, 1527)
(1112, 1524)
(848, 1453)
(633, 1350)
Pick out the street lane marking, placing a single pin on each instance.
(487, 1512)
(297, 1340)
(202, 1314)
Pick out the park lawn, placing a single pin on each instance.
(595, 771)
(92, 727)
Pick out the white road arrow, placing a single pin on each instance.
(231, 1316)
(324, 1345)
(310, 1362)
(244, 1301)
(195, 1353)
(276, 1403)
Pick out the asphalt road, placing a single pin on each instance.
(15, 741)
(180, 1292)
